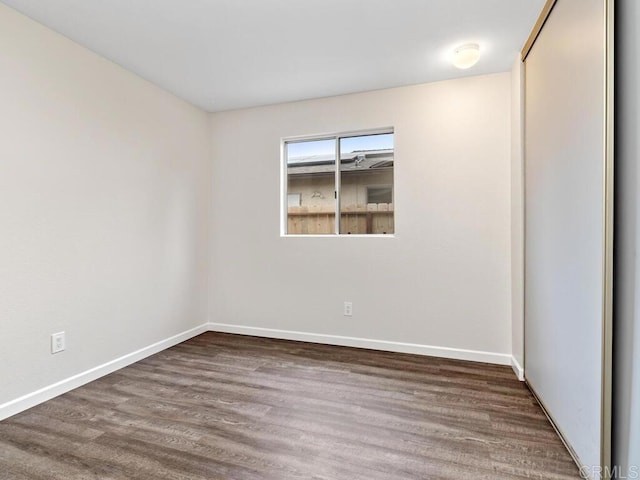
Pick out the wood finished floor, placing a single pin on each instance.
(232, 407)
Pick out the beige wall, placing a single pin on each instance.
(318, 190)
(314, 191)
(104, 207)
(442, 281)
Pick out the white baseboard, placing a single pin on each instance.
(25, 402)
(444, 352)
(32, 399)
(517, 368)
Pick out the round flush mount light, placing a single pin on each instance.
(466, 56)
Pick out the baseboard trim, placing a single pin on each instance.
(429, 350)
(517, 368)
(32, 399)
(25, 402)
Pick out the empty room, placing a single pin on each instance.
(319, 239)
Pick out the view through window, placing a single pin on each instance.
(353, 195)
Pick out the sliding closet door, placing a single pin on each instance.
(567, 226)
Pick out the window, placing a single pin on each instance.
(293, 200)
(382, 194)
(353, 195)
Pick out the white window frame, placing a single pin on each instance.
(284, 178)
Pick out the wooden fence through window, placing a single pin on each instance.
(376, 218)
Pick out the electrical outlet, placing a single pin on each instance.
(348, 309)
(57, 342)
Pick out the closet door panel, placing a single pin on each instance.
(565, 205)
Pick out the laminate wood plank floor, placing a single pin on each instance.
(233, 407)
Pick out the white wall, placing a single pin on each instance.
(104, 186)
(626, 391)
(443, 281)
(517, 217)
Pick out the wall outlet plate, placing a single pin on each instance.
(58, 342)
(348, 309)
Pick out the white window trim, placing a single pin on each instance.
(283, 179)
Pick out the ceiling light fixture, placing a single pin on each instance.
(466, 56)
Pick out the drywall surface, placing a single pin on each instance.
(517, 214)
(443, 280)
(104, 208)
(626, 387)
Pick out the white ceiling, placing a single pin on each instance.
(226, 54)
